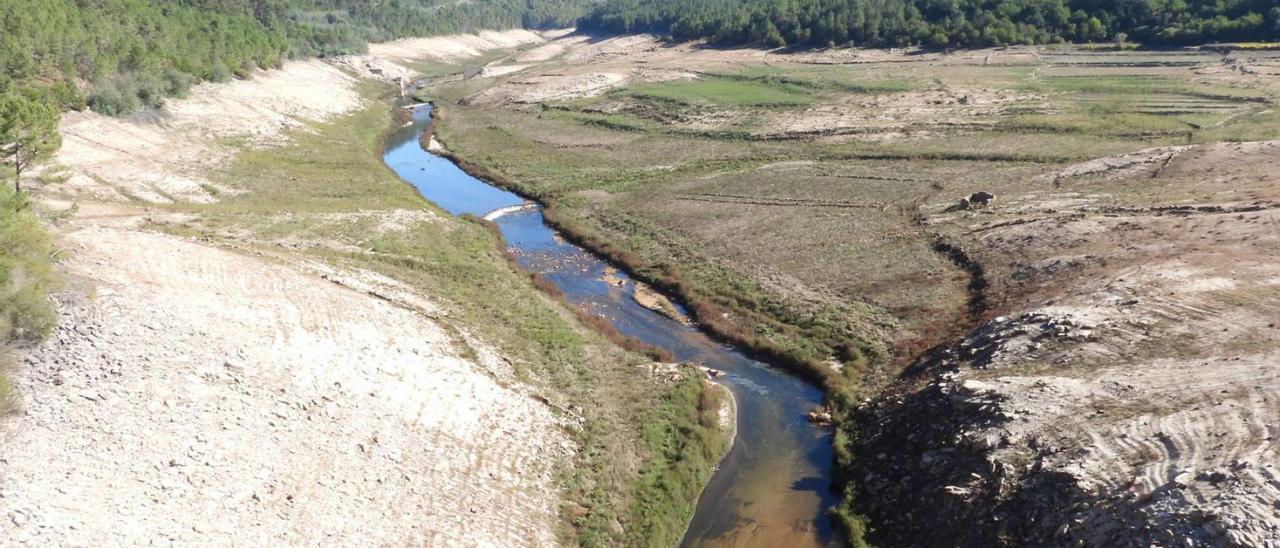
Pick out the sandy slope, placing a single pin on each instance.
(197, 394)
(159, 157)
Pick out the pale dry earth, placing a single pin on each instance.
(199, 394)
(159, 157)
(1128, 394)
(194, 394)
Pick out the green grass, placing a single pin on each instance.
(1256, 45)
(690, 445)
(823, 79)
(725, 91)
(760, 87)
(645, 447)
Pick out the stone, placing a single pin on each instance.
(819, 416)
(1184, 478)
(981, 198)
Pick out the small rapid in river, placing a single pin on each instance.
(772, 488)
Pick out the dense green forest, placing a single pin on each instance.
(121, 55)
(940, 23)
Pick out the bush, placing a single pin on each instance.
(109, 100)
(177, 83)
(245, 70)
(219, 72)
(125, 94)
(149, 89)
(26, 273)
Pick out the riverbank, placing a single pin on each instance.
(302, 292)
(754, 492)
(681, 432)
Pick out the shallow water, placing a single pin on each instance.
(772, 488)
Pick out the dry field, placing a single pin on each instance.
(789, 188)
(1102, 333)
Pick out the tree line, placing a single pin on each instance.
(939, 23)
(122, 55)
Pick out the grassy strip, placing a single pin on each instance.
(690, 445)
(327, 189)
(702, 305)
(26, 277)
(805, 360)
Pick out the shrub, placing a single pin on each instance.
(219, 72)
(124, 94)
(178, 83)
(245, 70)
(149, 89)
(26, 273)
(108, 99)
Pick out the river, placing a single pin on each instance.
(772, 488)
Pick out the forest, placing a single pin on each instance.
(940, 23)
(121, 55)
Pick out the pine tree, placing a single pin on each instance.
(28, 134)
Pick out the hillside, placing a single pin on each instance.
(122, 55)
(938, 23)
(264, 337)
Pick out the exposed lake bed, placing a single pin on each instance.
(773, 487)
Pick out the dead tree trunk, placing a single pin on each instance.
(17, 168)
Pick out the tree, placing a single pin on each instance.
(28, 133)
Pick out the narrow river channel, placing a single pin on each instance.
(772, 489)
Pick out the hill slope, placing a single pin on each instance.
(938, 23)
